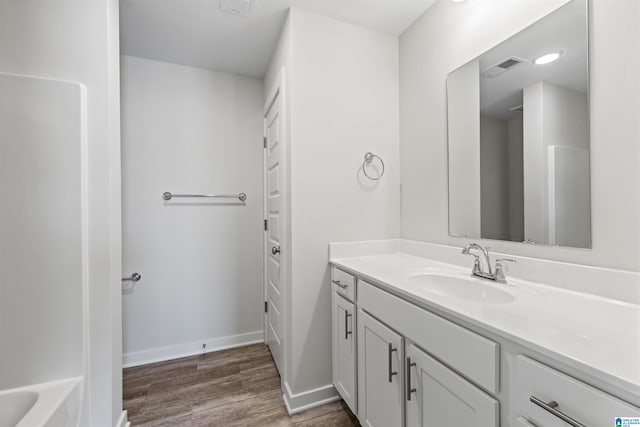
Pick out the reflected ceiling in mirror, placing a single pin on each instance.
(518, 136)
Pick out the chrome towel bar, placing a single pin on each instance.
(242, 196)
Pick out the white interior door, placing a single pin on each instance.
(273, 205)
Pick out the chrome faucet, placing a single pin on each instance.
(478, 271)
(477, 268)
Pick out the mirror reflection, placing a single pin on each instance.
(518, 131)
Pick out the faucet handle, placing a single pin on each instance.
(499, 274)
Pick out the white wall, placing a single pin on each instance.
(78, 41)
(494, 178)
(343, 85)
(463, 88)
(516, 180)
(429, 50)
(568, 196)
(190, 130)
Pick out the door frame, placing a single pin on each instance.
(278, 90)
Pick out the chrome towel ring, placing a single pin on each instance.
(368, 158)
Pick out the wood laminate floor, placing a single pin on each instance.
(237, 387)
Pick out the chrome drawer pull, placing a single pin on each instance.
(391, 372)
(347, 332)
(410, 390)
(337, 282)
(551, 407)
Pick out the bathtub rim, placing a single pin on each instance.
(51, 396)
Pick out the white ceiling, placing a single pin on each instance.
(197, 33)
(564, 29)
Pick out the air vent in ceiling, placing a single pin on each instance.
(509, 63)
(238, 7)
(501, 67)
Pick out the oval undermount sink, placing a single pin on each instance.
(464, 288)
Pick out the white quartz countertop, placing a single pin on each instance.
(597, 335)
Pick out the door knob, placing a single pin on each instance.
(275, 250)
(133, 278)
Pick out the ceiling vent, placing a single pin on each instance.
(238, 7)
(503, 66)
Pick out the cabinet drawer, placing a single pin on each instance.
(343, 283)
(585, 404)
(472, 355)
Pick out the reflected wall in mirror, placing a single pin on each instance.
(518, 135)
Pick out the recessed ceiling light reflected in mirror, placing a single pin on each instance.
(548, 58)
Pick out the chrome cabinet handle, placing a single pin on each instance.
(337, 282)
(347, 332)
(275, 250)
(391, 372)
(410, 390)
(551, 407)
(133, 278)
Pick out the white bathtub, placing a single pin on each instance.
(54, 404)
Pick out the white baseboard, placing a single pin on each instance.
(123, 421)
(300, 402)
(189, 349)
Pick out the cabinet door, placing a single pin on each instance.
(344, 349)
(438, 397)
(380, 379)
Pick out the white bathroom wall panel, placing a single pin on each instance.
(189, 130)
(77, 40)
(343, 86)
(463, 88)
(552, 116)
(42, 220)
(429, 50)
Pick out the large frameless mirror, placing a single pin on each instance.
(518, 134)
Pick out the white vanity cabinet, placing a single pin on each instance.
(380, 374)
(412, 366)
(436, 396)
(432, 394)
